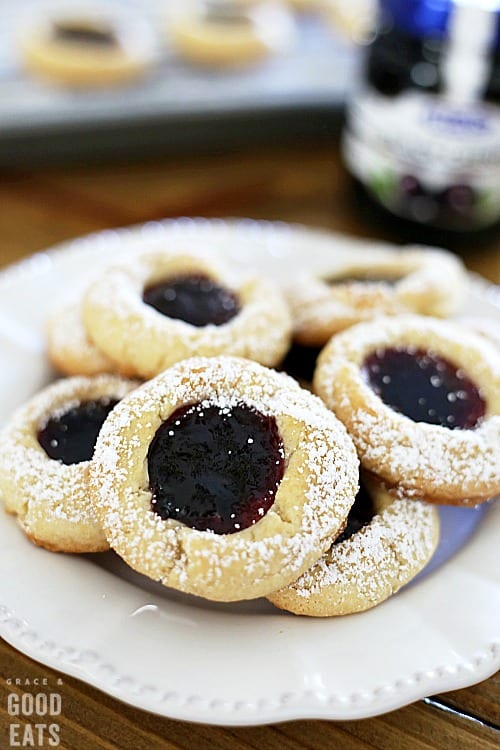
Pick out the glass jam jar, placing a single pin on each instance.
(423, 132)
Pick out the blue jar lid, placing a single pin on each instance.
(424, 18)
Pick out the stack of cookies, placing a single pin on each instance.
(180, 441)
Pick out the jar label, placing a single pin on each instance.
(425, 157)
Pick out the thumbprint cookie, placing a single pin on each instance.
(88, 48)
(222, 478)
(45, 453)
(229, 33)
(421, 399)
(163, 307)
(386, 542)
(69, 348)
(375, 281)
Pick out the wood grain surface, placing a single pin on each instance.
(301, 184)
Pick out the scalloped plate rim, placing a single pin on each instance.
(286, 706)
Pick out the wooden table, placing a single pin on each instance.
(304, 184)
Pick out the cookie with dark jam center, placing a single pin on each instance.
(214, 468)
(195, 298)
(71, 437)
(425, 387)
(359, 516)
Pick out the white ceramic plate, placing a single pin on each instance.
(93, 618)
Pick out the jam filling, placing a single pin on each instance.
(194, 298)
(71, 437)
(360, 515)
(372, 278)
(225, 12)
(424, 387)
(300, 362)
(215, 468)
(75, 33)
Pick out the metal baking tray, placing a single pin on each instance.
(297, 94)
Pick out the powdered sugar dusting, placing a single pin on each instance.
(487, 327)
(69, 346)
(146, 342)
(425, 459)
(369, 566)
(311, 503)
(427, 281)
(50, 498)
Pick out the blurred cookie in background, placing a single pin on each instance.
(80, 46)
(353, 19)
(305, 6)
(229, 33)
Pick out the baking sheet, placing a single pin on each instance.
(176, 105)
